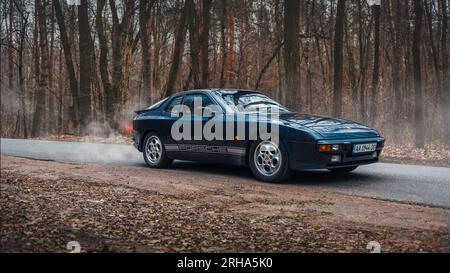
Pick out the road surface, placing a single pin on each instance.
(400, 183)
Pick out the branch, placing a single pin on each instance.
(267, 65)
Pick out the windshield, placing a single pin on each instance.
(247, 102)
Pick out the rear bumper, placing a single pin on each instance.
(137, 141)
(306, 156)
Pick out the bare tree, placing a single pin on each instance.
(395, 41)
(292, 53)
(73, 82)
(445, 96)
(418, 88)
(115, 90)
(204, 42)
(103, 64)
(178, 49)
(10, 46)
(223, 43)
(39, 117)
(144, 23)
(20, 52)
(194, 41)
(86, 49)
(338, 60)
(120, 42)
(376, 10)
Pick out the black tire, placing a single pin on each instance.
(281, 175)
(162, 162)
(343, 170)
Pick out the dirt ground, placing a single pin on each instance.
(45, 205)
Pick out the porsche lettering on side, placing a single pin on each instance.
(240, 122)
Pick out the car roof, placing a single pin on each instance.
(214, 90)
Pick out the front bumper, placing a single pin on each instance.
(306, 156)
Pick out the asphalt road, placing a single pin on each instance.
(401, 183)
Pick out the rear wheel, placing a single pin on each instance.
(155, 153)
(343, 170)
(269, 161)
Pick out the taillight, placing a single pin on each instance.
(126, 129)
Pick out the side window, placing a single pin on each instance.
(206, 101)
(175, 102)
(189, 102)
(190, 99)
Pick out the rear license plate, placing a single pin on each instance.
(364, 148)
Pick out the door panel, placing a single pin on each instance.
(198, 148)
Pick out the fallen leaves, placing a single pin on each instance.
(43, 213)
(434, 155)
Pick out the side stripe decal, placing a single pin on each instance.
(206, 149)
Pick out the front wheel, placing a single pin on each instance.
(269, 161)
(343, 170)
(155, 152)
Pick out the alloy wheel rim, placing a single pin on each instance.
(154, 150)
(268, 158)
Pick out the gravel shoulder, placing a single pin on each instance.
(44, 205)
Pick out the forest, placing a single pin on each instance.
(83, 67)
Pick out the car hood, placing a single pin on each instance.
(330, 128)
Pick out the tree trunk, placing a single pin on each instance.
(418, 110)
(36, 56)
(338, 60)
(352, 73)
(292, 53)
(116, 92)
(144, 20)
(433, 47)
(445, 96)
(86, 57)
(61, 93)
(230, 75)
(395, 25)
(204, 43)
(376, 9)
(1, 59)
(24, 25)
(194, 43)
(363, 61)
(177, 51)
(107, 107)
(38, 128)
(73, 82)
(279, 36)
(10, 46)
(51, 125)
(223, 38)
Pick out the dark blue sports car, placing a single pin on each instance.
(235, 118)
